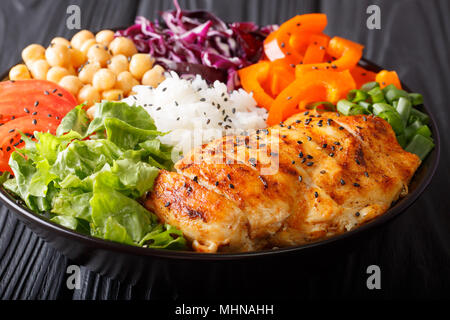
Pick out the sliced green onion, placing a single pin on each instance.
(369, 86)
(411, 130)
(393, 93)
(403, 107)
(415, 98)
(420, 145)
(356, 95)
(366, 105)
(378, 108)
(402, 140)
(355, 110)
(344, 106)
(424, 131)
(376, 95)
(418, 115)
(327, 106)
(393, 118)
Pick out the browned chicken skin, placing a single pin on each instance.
(311, 177)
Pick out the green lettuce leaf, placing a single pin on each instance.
(134, 116)
(75, 120)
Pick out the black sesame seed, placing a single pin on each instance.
(46, 92)
(60, 94)
(217, 183)
(309, 164)
(341, 128)
(195, 179)
(316, 195)
(309, 156)
(202, 99)
(231, 186)
(167, 204)
(300, 155)
(357, 161)
(288, 98)
(8, 148)
(34, 121)
(357, 214)
(36, 103)
(293, 162)
(34, 113)
(26, 110)
(300, 178)
(54, 90)
(309, 138)
(356, 184)
(342, 181)
(324, 145)
(303, 160)
(164, 89)
(322, 171)
(299, 142)
(366, 174)
(12, 130)
(331, 154)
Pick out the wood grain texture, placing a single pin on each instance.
(413, 251)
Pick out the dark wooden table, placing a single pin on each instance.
(413, 251)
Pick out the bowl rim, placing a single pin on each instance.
(102, 244)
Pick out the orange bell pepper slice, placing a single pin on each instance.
(281, 74)
(278, 44)
(385, 78)
(336, 85)
(316, 49)
(252, 78)
(347, 53)
(361, 75)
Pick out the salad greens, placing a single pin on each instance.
(93, 185)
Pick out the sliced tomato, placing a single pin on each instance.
(33, 97)
(34, 87)
(10, 137)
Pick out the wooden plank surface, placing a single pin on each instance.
(413, 251)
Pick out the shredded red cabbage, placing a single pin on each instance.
(197, 42)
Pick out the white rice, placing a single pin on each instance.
(196, 113)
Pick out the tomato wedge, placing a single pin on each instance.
(10, 89)
(33, 97)
(10, 137)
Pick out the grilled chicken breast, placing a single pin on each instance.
(311, 177)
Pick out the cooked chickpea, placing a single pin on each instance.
(33, 52)
(126, 82)
(56, 73)
(89, 95)
(118, 64)
(80, 37)
(77, 58)
(154, 76)
(122, 45)
(104, 79)
(39, 69)
(87, 45)
(98, 53)
(87, 72)
(140, 63)
(19, 72)
(71, 84)
(60, 40)
(57, 55)
(105, 37)
(112, 95)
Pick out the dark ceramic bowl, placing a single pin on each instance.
(181, 269)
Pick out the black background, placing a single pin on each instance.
(413, 251)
